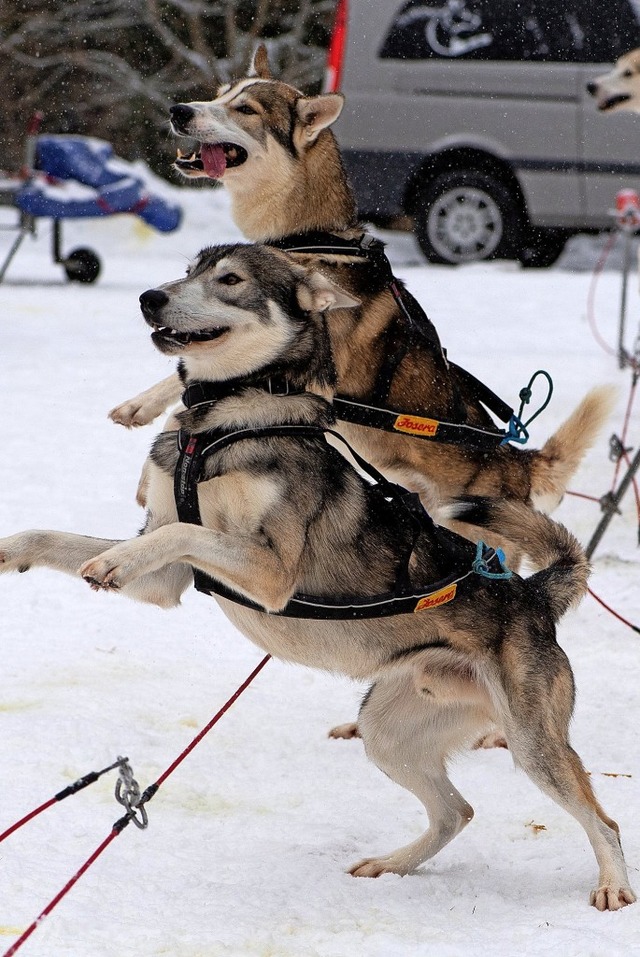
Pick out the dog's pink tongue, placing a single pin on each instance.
(213, 160)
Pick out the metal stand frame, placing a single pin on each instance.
(609, 504)
(627, 215)
(26, 224)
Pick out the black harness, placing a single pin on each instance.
(414, 327)
(193, 450)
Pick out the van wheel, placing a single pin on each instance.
(542, 247)
(464, 216)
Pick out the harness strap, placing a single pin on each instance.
(372, 249)
(349, 609)
(484, 394)
(194, 449)
(395, 349)
(318, 241)
(418, 426)
(374, 413)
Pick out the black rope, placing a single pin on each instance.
(526, 393)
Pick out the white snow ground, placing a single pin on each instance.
(249, 840)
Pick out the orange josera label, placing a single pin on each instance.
(440, 597)
(416, 425)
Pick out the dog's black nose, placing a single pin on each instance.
(180, 115)
(151, 301)
(592, 88)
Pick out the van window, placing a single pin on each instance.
(565, 31)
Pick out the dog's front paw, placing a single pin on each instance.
(122, 564)
(148, 405)
(17, 552)
(112, 569)
(134, 412)
(101, 575)
(611, 896)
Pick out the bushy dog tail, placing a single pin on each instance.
(563, 566)
(556, 462)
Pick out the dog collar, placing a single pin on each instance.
(200, 393)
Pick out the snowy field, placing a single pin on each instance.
(249, 840)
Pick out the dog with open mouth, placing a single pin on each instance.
(277, 517)
(273, 149)
(620, 88)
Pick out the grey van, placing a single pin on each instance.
(472, 117)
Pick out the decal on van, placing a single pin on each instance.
(560, 31)
(452, 30)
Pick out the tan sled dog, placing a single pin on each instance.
(273, 150)
(278, 517)
(620, 88)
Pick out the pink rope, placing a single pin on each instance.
(625, 621)
(120, 825)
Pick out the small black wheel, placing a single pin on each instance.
(542, 247)
(465, 216)
(82, 265)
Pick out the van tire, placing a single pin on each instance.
(449, 234)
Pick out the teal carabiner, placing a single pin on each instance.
(516, 432)
(481, 565)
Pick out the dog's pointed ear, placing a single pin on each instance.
(317, 112)
(316, 293)
(260, 64)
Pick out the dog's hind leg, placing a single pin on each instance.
(536, 722)
(346, 731)
(409, 737)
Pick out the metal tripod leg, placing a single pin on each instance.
(14, 249)
(610, 504)
(26, 224)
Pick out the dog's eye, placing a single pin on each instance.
(628, 73)
(230, 279)
(246, 109)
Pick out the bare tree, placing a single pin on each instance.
(111, 68)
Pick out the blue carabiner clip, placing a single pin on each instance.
(516, 432)
(481, 566)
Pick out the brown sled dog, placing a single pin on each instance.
(282, 517)
(273, 150)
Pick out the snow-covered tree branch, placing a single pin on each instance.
(111, 68)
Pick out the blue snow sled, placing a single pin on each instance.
(111, 185)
